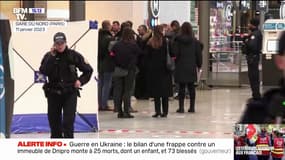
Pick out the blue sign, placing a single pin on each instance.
(269, 26)
(36, 10)
(281, 26)
(152, 22)
(93, 24)
(2, 95)
(39, 78)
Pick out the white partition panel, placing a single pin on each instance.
(29, 49)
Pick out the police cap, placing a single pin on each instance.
(59, 37)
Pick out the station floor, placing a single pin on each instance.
(217, 110)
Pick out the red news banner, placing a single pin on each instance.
(57, 147)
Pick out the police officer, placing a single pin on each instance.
(60, 66)
(252, 49)
(270, 108)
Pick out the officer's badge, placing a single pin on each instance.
(252, 37)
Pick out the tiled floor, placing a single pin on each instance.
(217, 110)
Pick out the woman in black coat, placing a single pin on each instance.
(188, 60)
(125, 53)
(159, 84)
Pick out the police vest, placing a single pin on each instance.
(262, 144)
(278, 149)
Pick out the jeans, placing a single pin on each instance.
(122, 91)
(104, 86)
(134, 83)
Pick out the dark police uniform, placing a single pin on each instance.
(272, 104)
(252, 49)
(60, 91)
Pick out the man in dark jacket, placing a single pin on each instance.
(143, 36)
(270, 108)
(105, 66)
(140, 86)
(60, 66)
(174, 30)
(252, 49)
(175, 26)
(115, 28)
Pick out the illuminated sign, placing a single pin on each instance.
(269, 26)
(228, 12)
(274, 26)
(154, 7)
(281, 26)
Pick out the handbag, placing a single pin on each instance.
(170, 64)
(120, 72)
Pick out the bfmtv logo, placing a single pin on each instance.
(20, 13)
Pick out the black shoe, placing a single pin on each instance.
(190, 110)
(120, 115)
(156, 115)
(127, 115)
(180, 110)
(164, 115)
